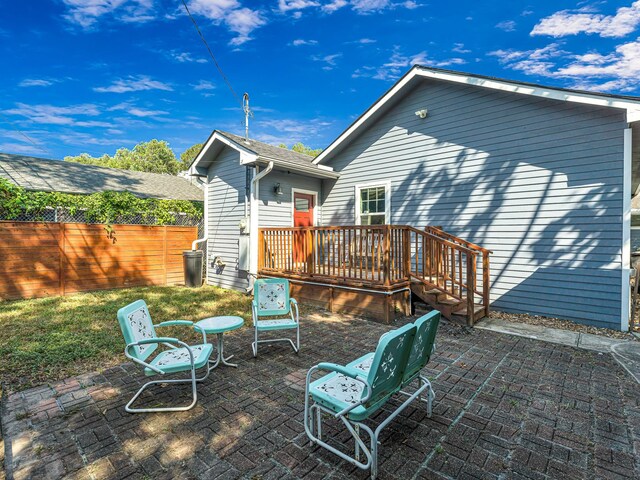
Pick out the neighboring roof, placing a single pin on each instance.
(625, 102)
(45, 175)
(252, 151)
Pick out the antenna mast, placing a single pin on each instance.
(247, 113)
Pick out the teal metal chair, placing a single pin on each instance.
(353, 393)
(141, 340)
(271, 299)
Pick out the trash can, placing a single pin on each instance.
(192, 261)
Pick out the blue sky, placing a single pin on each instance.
(95, 75)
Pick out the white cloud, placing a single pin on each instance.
(136, 111)
(286, 5)
(367, 6)
(334, 5)
(135, 83)
(86, 13)
(51, 114)
(507, 25)
(238, 19)
(35, 82)
(329, 60)
(567, 22)
(617, 70)
(362, 41)
(299, 42)
(186, 57)
(459, 48)
(399, 63)
(295, 130)
(24, 148)
(204, 85)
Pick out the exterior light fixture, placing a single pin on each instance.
(277, 189)
(422, 113)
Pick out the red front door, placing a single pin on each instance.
(303, 205)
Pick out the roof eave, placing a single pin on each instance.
(632, 107)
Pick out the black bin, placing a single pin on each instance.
(192, 261)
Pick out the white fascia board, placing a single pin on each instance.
(632, 107)
(246, 155)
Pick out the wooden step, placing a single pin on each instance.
(450, 307)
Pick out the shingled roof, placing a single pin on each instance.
(40, 174)
(265, 150)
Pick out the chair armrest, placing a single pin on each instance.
(348, 372)
(294, 303)
(173, 323)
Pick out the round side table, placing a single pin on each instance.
(219, 326)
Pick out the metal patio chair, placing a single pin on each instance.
(142, 341)
(353, 393)
(271, 299)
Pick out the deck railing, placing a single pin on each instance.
(381, 256)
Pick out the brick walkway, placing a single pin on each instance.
(506, 407)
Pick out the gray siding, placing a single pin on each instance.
(537, 181)
(275, 210)
(226, 208)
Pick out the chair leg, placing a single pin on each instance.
(254, 345)
(194, 393)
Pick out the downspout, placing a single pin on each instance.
(254, 223)
(205, 234)
(625, 308)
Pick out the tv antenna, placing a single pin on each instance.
(247, 113)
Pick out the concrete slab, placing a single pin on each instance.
(628, 355)
(538, 332)
(598, 343)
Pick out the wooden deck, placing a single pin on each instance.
(446, 272)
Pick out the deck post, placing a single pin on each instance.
(406, 253)
(386, 263)
(471, 286)
(486, 280)
(309, 250)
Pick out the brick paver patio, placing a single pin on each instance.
(506, 407)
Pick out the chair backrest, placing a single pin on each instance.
(271, 296)
(390, 361)
(135, 323)
(426, 329)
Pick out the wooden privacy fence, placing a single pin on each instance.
(42, 259)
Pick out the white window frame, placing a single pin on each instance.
(315, 204)
(387, 199)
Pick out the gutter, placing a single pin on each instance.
(206, 222)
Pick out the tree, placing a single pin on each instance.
(302, 148)
(190, 154)
(153, 156)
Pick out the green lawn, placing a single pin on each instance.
(47, 339)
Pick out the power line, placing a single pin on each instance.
(224, 77)
(35, 144)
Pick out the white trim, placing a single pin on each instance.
(631, 106)
(625, 307)
(387, 199)
(315, 203)
(246, 155)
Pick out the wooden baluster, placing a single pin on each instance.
(486, 280)
(471, 286)
(386, 272)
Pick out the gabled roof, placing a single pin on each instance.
(253, 151)
(40, 174)
(628, 103)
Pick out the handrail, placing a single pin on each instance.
(472, 246)
(379, 256)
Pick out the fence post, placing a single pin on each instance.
(471, 286)
(164, 249)
(386, 262)
(62, 263)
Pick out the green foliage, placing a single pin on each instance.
(302, 148)
(190, 154)
(103, 207)
(153, 156)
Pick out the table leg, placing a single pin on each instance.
(220, 357)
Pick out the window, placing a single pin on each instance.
(373, 203)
